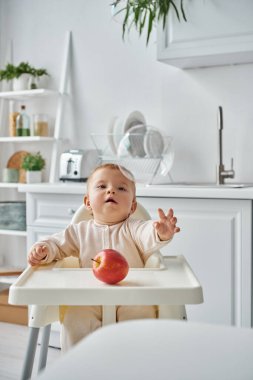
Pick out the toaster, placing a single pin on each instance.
(76, 164)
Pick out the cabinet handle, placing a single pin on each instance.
(71, 211)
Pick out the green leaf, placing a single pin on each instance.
(139, 13)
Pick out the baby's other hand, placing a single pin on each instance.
(38, 253)
(166, 227)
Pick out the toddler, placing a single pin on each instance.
(111, 200)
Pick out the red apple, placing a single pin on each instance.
(110, 266)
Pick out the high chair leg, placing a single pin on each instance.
(44, 347)
(109, 314)
(30, 353)
(172, 312)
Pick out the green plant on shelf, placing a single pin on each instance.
(11, 71)
(33, 162)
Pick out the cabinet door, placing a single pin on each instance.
(39, 233)
(217, 32)
(215, 239)
(51, 210)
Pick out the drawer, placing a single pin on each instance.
(51, 210)
(39, 233)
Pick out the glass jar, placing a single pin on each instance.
(40, 125)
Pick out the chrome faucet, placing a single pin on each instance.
(222, 173)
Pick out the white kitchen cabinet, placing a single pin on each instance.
(217, 32)
(49, 213)
(216, 239)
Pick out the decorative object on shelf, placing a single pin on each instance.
(146, 12)
(23, 123)
(12, 123)
(10, 175)
(40, 125)
(13, 216)
(15, 162)
(33, 165)
(24, 75)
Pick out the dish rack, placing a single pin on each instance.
(150, 161)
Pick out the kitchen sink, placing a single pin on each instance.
(211, 185)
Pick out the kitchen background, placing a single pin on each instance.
(109, 77)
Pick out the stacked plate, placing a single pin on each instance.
(138, 146)
(132, 137)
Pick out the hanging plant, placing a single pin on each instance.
(139, 13)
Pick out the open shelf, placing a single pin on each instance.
(13, 232)
(13, 185)
(27, 94)
(20, 139)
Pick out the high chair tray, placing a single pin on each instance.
(175, 284)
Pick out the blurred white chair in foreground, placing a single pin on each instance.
(159, 349)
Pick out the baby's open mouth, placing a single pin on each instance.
(110, 200)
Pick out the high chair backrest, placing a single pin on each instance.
(83, 214)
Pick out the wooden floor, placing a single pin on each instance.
(13, 341)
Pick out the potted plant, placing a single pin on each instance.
(24, 75)
(33, 163)
(141, 13)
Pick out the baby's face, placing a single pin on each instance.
(111, 196)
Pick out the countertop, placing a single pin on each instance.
(158, 191)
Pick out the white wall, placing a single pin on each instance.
(111, 77)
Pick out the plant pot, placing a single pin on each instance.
(34, 176)
(21, 83)
(37, 82)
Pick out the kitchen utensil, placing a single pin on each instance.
(15, 161)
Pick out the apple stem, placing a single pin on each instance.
(95, 261)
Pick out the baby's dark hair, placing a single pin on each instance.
(112, 166)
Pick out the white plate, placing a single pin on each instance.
(131, 145)
(153, 143)
(110, 135)
(136, 139)
(134, 118)
(118, 132)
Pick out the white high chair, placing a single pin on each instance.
(154, 261)
(43, 315)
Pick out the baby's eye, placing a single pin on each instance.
(121, 188)
(101, 186)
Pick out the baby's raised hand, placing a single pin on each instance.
(166, 226)
(37, 253)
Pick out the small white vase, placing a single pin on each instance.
(21, 83)
(34, 176)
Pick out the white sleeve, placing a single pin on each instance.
(145, 236)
